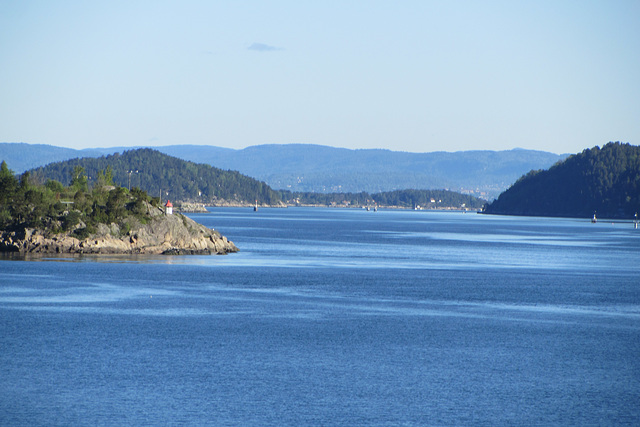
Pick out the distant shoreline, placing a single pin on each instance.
(241, 205)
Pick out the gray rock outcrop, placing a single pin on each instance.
(163, 234)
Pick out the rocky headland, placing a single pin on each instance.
(163, 234)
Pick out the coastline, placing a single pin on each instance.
(173, 234)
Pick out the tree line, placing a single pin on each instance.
(399, 198)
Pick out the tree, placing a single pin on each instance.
(79, 180)
(115, 204)
(8, 185)
(105, 178)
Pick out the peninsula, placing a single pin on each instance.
(53, 219)
(598, 181)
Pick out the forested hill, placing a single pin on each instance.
(603, 180)
(155, 172)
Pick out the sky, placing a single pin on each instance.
(417, 76)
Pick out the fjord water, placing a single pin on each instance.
(333, 317)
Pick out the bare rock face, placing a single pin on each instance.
(191, 207)
(164, 234)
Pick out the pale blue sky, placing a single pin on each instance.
(418, 76)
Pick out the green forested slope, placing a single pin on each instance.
(158, 173)
(603, 180)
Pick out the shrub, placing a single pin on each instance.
(82, 233)
(70, 220)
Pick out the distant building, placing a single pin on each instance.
(168, 208)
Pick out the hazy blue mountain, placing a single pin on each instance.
(21, 156)
(317, 168)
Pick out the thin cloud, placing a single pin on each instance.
(261, 47)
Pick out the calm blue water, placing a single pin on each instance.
(333, 317)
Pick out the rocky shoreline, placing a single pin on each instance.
(189, 207)
(163, 234)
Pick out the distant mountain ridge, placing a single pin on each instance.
(324, 169)
(22, 157)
